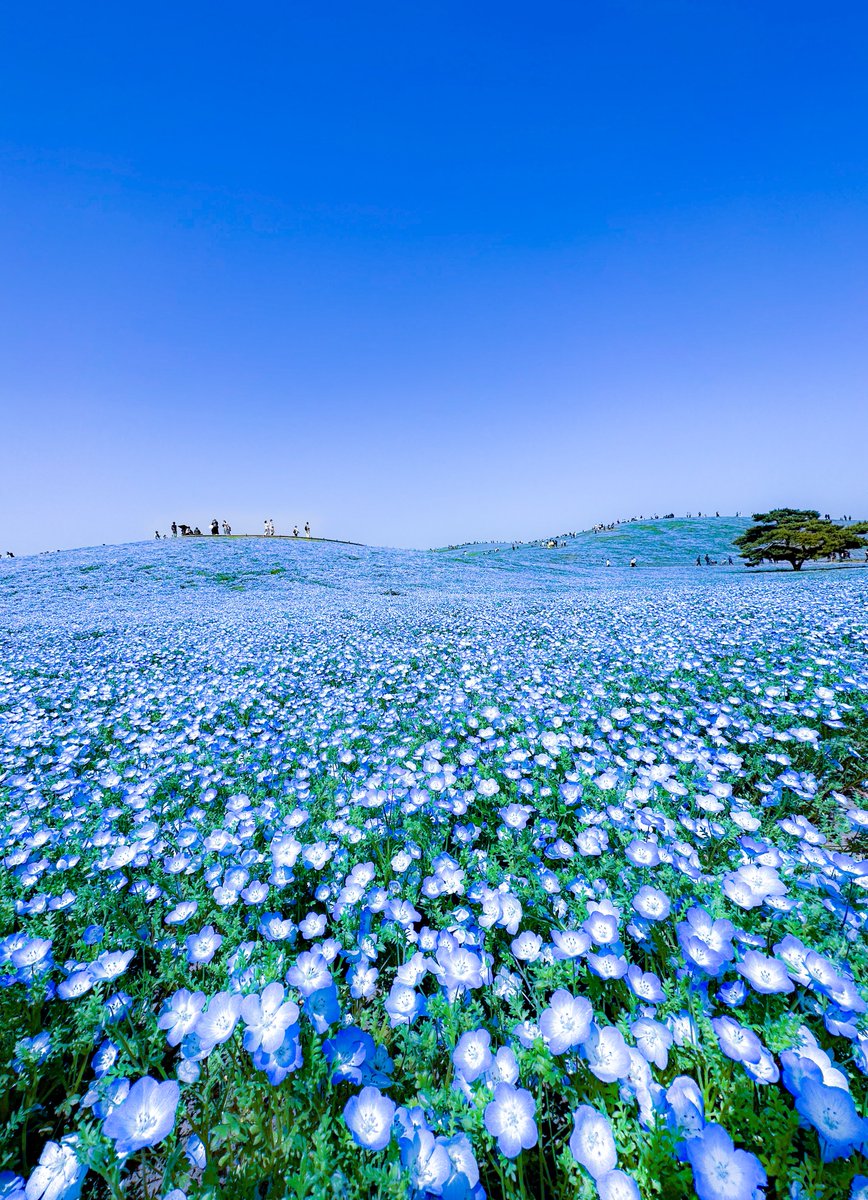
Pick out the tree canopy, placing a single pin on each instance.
(795, 535)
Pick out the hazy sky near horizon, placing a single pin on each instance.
(428, 273)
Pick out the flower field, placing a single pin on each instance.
(337, 872)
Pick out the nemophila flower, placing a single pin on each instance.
(322, 1008)
(607, 1053)
(457, 968)
(570, 943)
(592, 1143)
(739, 891)
(601, 924)
(413, 971)
(202, 946)
(765, 975)
(275, 928)
(369, 1117)
(617, 1185)
(363, 980)
(77, 984)
(285, 1059)
(642, 853)
(684, 1028)
(509, 1118)
(346, 1052)
(515, 816)
(736, 1041)
(472, 1056)
(831, 1111)
(464, 1170)
(58, 1175)
(310, 972)
(652, 904)
(194, 1150)
(145, 1117)
(32, 954)
(859, 1188)
(111, 964)
(527, 946)
(93, 935)
(426, 1161)
(607, 966)
(844, 994)
(117, 1006)
(181, 913)
(644, 985)
(732, 994)
(404, 1004)
(720, 1172)
(217, 1023)
(105, 1058)
(653, 1040)
(267, 1017)
(32, 1050)
(504, 1068)
(765, 1070)
(566, 1022)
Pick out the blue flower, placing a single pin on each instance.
(369, 1117)
(617, 1185)
(608, 1054)
(59, 1175)
(831, 1111)
(592, 1143)
(736, 1041)
(179, 1015)
(202, 946)
(653, 1040)
(217, 1023)
(566, 1022)
(346, 1052)
(472, 1056)
(765, 975)
(427, 1162)
(145, 1117)
(509, 1118)
(652, 904)
(720, 1172)
(404, 1004)
(267, 1018)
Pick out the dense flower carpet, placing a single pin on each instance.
(336, 872)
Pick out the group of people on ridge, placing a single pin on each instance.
(183, 530)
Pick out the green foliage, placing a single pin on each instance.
(797, 535)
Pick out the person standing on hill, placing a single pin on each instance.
(174, 529)
(215, 528)
(307, 529)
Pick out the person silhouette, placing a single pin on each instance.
(307, 529)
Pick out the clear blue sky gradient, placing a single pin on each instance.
(421, 273)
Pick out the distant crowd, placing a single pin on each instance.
(180, 529)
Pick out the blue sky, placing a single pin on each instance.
(427, 273)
